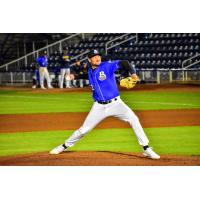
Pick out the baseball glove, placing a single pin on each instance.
(128, 82)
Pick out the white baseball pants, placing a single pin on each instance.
(62, 73)
(99, 112)
(44, 74)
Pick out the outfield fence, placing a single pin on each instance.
(157, 76)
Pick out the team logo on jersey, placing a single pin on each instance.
(102, 76)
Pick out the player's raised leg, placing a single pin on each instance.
(95, 116)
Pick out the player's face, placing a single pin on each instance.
(95, 60)
(78, 63)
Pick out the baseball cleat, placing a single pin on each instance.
(151, 154)
(58, 149)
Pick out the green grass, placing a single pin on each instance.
(13, 102)
(175, 140)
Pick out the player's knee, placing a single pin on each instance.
(133, 118)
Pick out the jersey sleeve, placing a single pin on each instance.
(113, 66)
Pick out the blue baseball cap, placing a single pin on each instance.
(93, 53)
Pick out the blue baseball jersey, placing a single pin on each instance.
(103, 82)
(42, 61)
(65, 61)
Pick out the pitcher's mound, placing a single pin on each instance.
(97, 159)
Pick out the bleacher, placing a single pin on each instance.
(159, 50)
(15, 45)
(98, 41)
(158, 57)
(165, 50)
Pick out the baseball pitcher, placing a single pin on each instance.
(107, 102)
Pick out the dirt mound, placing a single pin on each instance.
(97, 159)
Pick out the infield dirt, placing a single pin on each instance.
(97, 159)
(69, 121)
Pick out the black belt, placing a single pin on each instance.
(106, 102)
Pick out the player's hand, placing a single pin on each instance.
(135, 77)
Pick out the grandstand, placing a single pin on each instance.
(15, 45)
(158, 57)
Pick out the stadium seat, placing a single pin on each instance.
(160, 50)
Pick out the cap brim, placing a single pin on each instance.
(92, 55)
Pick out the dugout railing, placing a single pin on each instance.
(190, 62)
(156, 76)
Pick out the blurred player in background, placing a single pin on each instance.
(76, 71)
(81, 74)
(84, 75)
(42, 62)
(65, 69)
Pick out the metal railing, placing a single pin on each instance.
(59, 44)
(179, 75)
(35, 54)
(106, 46)
(157, 76)
(120, 37)
(80, 55)
(190, 59)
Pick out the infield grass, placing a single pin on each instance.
(174, 140)
(13, 102)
